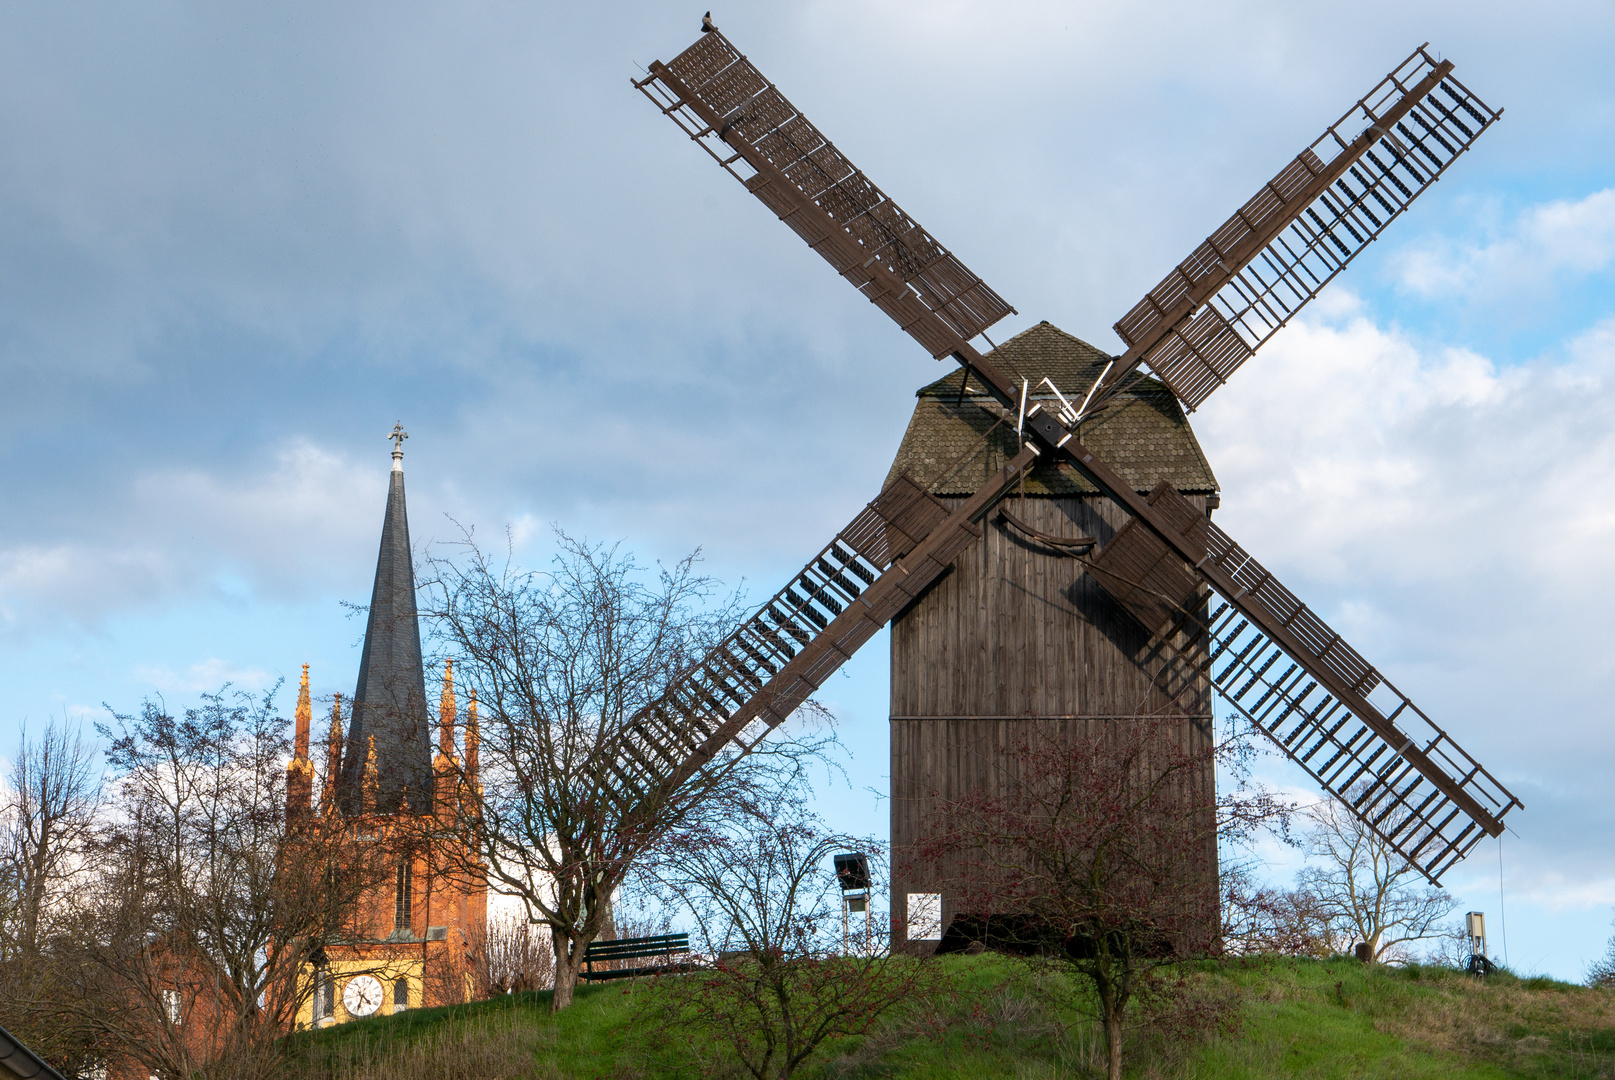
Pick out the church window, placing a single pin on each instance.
(406, 885)
(400, 995)
(324, 995)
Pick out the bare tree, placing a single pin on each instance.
(1262, 919)
(1364, 890)
(49, 806)
(768, 908)
(561, 661)
(209, 901)
(1100, 857)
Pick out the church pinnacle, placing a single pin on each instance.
(389, 703)
(299, 773)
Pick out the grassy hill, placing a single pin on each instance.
(1293, 1018)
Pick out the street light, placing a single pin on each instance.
(852, 871)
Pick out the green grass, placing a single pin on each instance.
(1295, 1018)
(589, 1039)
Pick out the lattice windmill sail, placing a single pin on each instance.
(757, 676)
(1253, 274)
(1269, 656)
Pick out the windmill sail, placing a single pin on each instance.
(1216, 308)
(1264, 263)
(740, 118)
(756, 677)
(1362, 739)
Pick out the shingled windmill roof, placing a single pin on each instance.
(389, 704)
(1145, 436)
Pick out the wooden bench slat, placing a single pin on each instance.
(668, 939)
(633, 949)
(629, 973)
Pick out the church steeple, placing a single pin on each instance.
(389, 704)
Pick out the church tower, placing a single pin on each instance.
(419, 934)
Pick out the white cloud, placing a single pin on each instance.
(1543, 243)
(204, 677)
(177, 532)
(1564, 892)
(1453, 518)
(1360, 451)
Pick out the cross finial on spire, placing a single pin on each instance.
(398, 436)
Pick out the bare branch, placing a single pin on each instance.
(1364, 889)
(561, 661)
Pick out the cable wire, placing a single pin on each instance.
(1502, 913)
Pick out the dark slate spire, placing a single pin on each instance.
(389, 704)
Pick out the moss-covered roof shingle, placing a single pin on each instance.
(1144, 436)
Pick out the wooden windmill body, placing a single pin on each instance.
(993, 625)
(1018, 643)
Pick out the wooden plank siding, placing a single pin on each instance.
(1014, 641)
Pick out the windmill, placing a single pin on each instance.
(1212, 616)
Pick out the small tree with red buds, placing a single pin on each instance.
(1098, 854)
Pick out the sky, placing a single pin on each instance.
(238, 242)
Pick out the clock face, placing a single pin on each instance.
(362, 996)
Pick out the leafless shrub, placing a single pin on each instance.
(1449, 948)
(1601, 972)
(1262, 920)
(1100, 859)
(768, 907)
(516, 955)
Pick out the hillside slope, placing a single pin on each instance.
(1295, 1018)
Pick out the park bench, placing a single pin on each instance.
(639, 948)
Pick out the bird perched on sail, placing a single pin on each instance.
(707, 25)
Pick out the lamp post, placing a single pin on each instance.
(852, 871)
